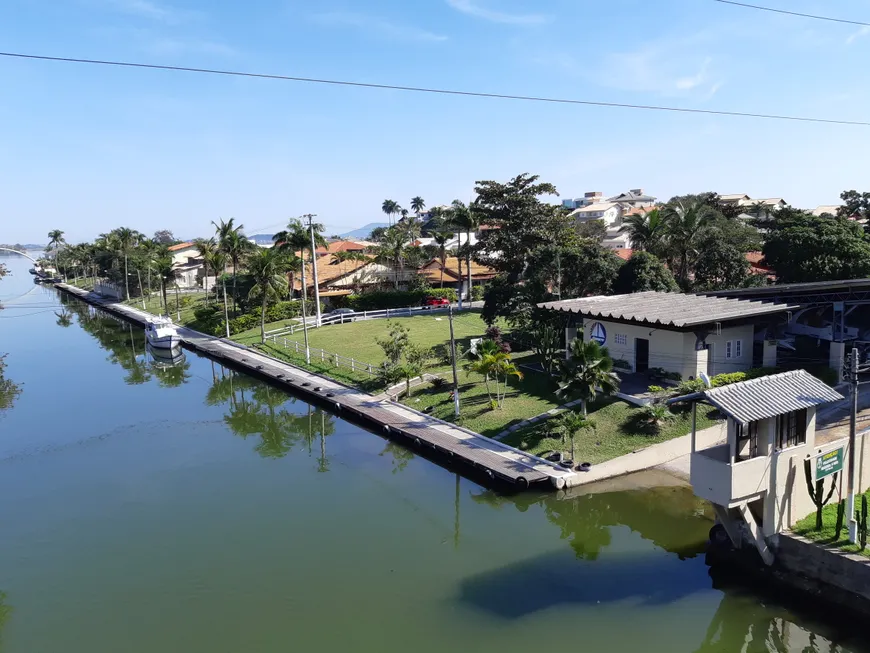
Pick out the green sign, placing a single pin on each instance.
(829, 463)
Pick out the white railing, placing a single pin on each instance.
(342, 318)
(325, 356)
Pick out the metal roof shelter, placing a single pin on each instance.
(674, 310)
(816, 292)
(767, 396)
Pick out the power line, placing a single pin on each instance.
(793, 13)
(438, 91)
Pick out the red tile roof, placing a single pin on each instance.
(180, 246)
(624, 254)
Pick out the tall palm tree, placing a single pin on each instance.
(404, 213)
(685, 224)
(588, 370)
(232, 242)
(496, 366)
(646, 231)
(268, 268)
(417, 205)
(390, 207)
(467, 219)
(165, 271)
(55, 240)
(441, 240)
(295, 238)
(126, 240)
(207, 248)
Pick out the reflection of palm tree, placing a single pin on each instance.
(5, 613)
(64, 319)
(172, 376)
(9, 392)
(401, 456)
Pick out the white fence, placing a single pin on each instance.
(325, 357)
(326, 320)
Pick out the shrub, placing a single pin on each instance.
(727, 379)
(477, 293)
(283, 311)
(690, 387)
(656, 389)
(824, 374)
(438, 383)
(656, 414)
(621, 364)
(243, 323)
(379, 300)
(447, 293)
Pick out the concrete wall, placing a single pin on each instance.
(721, 364)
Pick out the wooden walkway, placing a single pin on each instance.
(458, 446)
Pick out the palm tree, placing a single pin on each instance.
(588, 371)
(392, 251)
(571, 423)
(441, 239)
(126, 240)
(55, 240)
(295, 239)
(268, 268)
(207, 248)
(404, 213)
(685, 225)
(164, 268)
(390, 207)
(417, 205)
(494, 366)
(232, 243)
(467, 219)
(646, 231)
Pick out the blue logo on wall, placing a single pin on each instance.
(598, 333)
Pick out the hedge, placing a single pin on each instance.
(379, 300)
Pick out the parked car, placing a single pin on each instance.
(436, 301)
(340, 315)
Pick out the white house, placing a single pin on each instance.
(681, 334)
(187, 263)
(756, 481)
(634, 199)
(608, 212)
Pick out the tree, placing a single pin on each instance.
(417, 205)
(496, 366)
(165, 271)
(295, 239)
(237, 248)
(465, 219)
(377, 234)
(589, 370)
(126, 239)
(801, 247)
(593, 230)
(547, 332)
(855, 204)
(267, 268)
(416, 359)
(721, 266)
(164, 237)
(644, 272)
(55, 240)
(646, 231)
(686, 223)
(391, 208)
(392, 251)
(441, 240)
(395, 343)
(207, 249)
(570, 423)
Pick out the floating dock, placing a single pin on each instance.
(458, 446)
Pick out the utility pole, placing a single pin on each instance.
(853, 432)
(453, 359)
(310, 217)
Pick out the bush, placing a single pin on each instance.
(243, 323)
(727, 379)
(690, 387)
(447, 293)
(824, 374)
(438, 383)
(621, 364)
(283, 311)
(379, 300)
(208, 319)
(477, 293)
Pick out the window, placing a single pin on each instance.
(733, 349)
(747, 441)
(791, 429)
(621, 339)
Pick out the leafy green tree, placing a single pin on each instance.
(685, 226)
(390, 208)
(417, 205)
(164, 237)
(396, 342)
(854, 204)
(393, 251)
(644, 272)
(268, 268)
(207, 248)
(295, 239)
(55, 241)
(165, 272)
(588, 371)
(570, 423)
(593, 230)
(416, 359)
(801, 247)
(441, 240)
(721, 265)
(495, 367)
(127, 239)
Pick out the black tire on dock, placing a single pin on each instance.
(523, 483)
(416, 442)
(719, 536)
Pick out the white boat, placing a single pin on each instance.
(162, 334)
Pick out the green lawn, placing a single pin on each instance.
(358, 339)
(187, 303)
(618, 431)
(807, 528)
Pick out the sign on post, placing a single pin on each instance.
(829, 463)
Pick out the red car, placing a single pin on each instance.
(436, 301)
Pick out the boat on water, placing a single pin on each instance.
(162, 334)
(165, 358)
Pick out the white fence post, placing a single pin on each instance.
(352, 365)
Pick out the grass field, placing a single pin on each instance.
(187, 303)
(807, 528)
(358, 339)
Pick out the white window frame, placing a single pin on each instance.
(733, 349)
(621, 339)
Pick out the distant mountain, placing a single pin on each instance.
(363, 232)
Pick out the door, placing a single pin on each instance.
(641, 355)
(710, 351)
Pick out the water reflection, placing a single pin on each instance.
(5, 613)
(9, 390)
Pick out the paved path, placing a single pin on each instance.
(492, 457)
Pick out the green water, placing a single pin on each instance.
(195, 510)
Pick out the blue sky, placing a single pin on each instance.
(88, 148)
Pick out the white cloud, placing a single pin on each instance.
(374, 25)
(472, 9)
(864, 31)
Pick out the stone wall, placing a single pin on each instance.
(835, 576)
